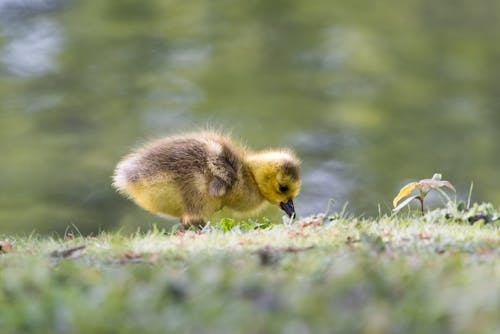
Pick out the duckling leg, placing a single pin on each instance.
(193, 204)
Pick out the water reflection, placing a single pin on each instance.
(188, 55)
(18, 8)
(31, 47)
(325, 181)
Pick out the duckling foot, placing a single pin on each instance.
(192, 221)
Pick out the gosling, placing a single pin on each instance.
(192, 176)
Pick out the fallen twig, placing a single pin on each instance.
(291, 249)
(269, 255)
(66, 252)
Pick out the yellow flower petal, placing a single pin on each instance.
(405, 191)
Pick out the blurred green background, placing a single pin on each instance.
(370, 94)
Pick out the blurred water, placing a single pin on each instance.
(370, 95)
(32, 47)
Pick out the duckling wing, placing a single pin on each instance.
(217, 187)
(224, 168)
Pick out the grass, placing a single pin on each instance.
(436, 274)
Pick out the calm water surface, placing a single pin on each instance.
(370, 94)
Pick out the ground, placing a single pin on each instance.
(399, 274)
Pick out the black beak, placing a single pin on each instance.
(288, 208)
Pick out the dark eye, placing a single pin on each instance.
(283, 189)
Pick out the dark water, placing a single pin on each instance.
(370, 95)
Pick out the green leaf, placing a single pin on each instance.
(265, 224)
(227, 224)
(404, 203)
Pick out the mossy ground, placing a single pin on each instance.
(343, 275)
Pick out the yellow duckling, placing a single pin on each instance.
(194, 175)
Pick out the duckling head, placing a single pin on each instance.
(277, 174)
